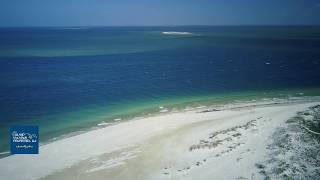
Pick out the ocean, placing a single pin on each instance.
(70, 80)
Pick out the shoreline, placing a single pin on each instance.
(90, 118)
(191, 106)
(171, 109)
(65, 156)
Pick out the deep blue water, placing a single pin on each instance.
(59, 78)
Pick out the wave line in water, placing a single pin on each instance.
(176, 33)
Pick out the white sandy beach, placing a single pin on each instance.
(196, 144)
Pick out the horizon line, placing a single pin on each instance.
(186, 25)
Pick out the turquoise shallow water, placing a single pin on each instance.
(68, 80)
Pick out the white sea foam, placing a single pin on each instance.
(74, 28)
(189, 108)
(103, 124)
(5, 152)
(176, 33)
(201, 107)
(163, 110)
(117, 119)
